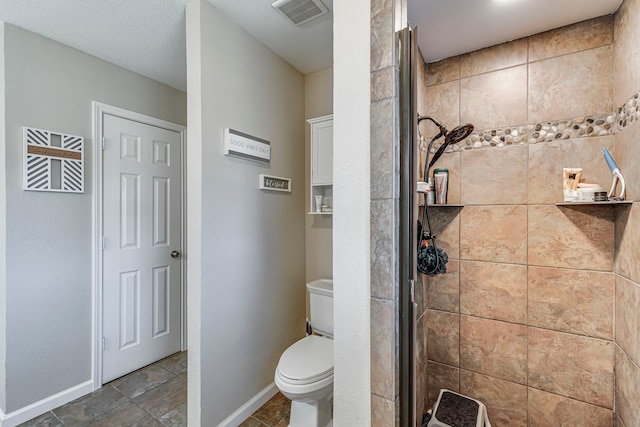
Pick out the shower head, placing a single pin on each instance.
(458, 133)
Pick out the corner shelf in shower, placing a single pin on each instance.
(446, 205)
(612, 202)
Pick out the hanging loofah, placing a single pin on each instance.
(431, 264)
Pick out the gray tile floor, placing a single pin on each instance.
(274, 413)
(153, 396)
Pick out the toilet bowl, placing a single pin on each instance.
(305, 370)
(305, 375)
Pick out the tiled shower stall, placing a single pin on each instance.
(538, 314)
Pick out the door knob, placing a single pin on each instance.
(175, 254)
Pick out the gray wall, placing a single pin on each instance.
(246, 247)
(48, 235)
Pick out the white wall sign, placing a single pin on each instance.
(246, 146)
(53, 161)
(275, 183)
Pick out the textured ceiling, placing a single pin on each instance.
(451, 27)
(145, 36)
(148, 36)
(308, 47)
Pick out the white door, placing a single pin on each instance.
(142, 243)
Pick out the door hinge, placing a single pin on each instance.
(104, 343)
(103, 142)
(103, 243)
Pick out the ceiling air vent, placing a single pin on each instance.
(300, 11)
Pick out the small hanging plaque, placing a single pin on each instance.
(246, 146)
(275, 183)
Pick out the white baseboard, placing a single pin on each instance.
(248, 408)
(36, 409)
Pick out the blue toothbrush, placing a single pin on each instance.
(615, 170)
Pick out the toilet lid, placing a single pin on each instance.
(308, 360)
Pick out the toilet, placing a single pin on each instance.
(305, 371)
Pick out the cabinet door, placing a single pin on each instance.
(322, 153)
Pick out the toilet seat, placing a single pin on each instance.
(307, 361)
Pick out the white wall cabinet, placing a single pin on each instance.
(321, 164)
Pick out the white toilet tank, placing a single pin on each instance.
(321, 306)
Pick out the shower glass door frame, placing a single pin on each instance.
(408, 211)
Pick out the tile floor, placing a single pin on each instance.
(274, 413)
(153, 396)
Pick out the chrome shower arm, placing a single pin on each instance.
(443, 129)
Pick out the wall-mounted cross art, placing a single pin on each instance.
(53, 161)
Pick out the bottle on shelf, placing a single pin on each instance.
(431, 194)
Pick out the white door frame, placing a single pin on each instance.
(98, 110)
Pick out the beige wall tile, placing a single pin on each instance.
(382, 150)
(383, 412)
(421, 369)
(443, 337)
(627, 51)
(573, 366)
(495, 176)
(494, 234)
(576, 301)
(421, 396)
(446, 226)
(546, 162)
(628, 317)
(443, 289)
(441, 377)
(443, 103)
(495, 99)
(419, 347)
(627, 241)
(580, 237)
(420, 294)
(494, 58)
(443, 71)
(627, 389)
(506, 402)
(383, 249)
(571, 86)
(551, 410)
(494, 291)
(383, 349)
(383, 84)
(572, 38)
(494, 348)
(421, 83)
(626, 155)
(382, 34)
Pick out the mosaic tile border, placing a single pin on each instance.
(629, 112)
(581, 127)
